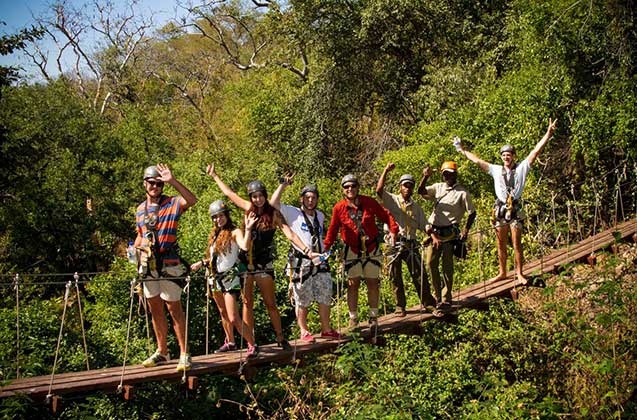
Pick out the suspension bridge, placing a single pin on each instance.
(123, 379)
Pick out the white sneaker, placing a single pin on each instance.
(184, 362)
(156, 359)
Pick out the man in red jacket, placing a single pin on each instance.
(355, 216)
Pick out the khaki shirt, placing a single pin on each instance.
(452, 203)
(409, 215)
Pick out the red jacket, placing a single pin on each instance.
(341, 219)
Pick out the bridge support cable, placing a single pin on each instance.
(17, 324)
(187, 289)
(76, 277)
(57, 347)
(207, 317)
(130, 316)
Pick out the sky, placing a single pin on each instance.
(17, 14)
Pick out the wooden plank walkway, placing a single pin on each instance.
(108, 379)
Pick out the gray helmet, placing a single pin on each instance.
(407, 178)
(349, 178)
(151, 172)
(255, 186)
(217, 207)
(507, 148)
(309, 188)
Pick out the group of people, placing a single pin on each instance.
(237, 257)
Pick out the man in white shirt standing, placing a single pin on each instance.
(508, 212)
(310, 282)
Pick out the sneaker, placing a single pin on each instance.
(332, 334)
(226, 347)
(284, 345)
(400, 311)
(253, 351)
(184, 362)
(156, 359)
(307, 337)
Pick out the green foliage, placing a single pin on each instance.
(385, 81)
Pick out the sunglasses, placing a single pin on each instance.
(158, 184)
(350, 186)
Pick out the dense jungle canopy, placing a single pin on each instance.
(321, 88)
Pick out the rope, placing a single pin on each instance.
(79, 305)
(187, 289)
(17, 325)
(597, 197)
(207, 318)
(130, 316)
(57, 347)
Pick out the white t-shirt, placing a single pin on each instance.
(294, 218)
(521, 171)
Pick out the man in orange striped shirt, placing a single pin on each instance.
(157, 219)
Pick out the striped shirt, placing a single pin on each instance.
(167, 214)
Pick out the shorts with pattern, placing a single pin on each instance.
(315, 288)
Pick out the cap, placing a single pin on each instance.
(349, 178)
(507, 148)
(406, 178)
(449, 166)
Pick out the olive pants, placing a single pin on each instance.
(409, 253)
(433, 262)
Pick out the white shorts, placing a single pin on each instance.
(166, 289)
(366, 267)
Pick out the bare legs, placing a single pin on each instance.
(373, 294)
(266, 286)
(502, 236)
(160, 324)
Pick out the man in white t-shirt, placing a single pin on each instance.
(508, 213)
(310, 282)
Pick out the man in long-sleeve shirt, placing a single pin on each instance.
(355, 216)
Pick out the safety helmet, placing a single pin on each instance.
(407, 178)
(151, 172)
(449, 166)
(349, 178)
(217, 207)
(507, 148)
(255, 186)
(309, 188)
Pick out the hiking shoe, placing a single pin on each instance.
(284, 345)
(253, 351)
(373, 322)
(156, 359)
(307, 337)
(226, 347)
(332, 334)
(184, 362)
(400, 311)
(444, 306)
